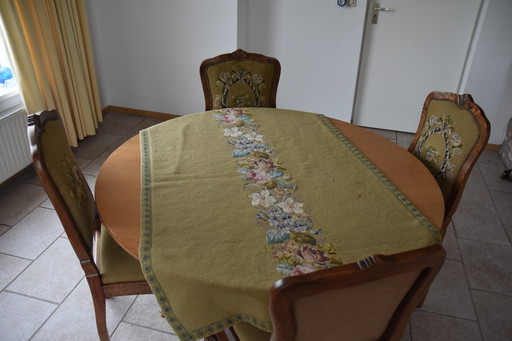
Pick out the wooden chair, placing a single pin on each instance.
(240, 79)
(113, 272)
(452, 133)
(368, 300)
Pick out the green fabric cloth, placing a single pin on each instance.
(203, 251)
(117, 265)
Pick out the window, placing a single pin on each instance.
(7, 82)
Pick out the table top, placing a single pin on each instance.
(118, 185)
(221, 204)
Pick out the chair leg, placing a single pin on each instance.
(420, 303)
(98, 298)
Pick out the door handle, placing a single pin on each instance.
(376, 10)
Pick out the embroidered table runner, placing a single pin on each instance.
(234, 199)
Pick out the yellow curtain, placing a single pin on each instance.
(53, 63)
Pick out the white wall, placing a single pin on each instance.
(148, 52)
(489, 78)
(318, 44)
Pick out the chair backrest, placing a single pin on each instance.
(63, 181)
(368, 300)
(240, 79)
(452, 133)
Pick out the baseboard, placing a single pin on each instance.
(491, 146)
(138, 112)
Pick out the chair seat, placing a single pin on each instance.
(246, 332)
(116, 265)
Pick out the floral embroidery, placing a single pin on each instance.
(290, 232)
(453, 145)
(238, 74)
(73, 179)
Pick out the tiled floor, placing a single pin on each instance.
(44, 295)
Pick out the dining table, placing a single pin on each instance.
(219, 205)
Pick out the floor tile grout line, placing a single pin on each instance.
(491, 292)
(448, 315)
(494, 204)
(468, 284)
(15, 256)
(124, 315)
(27, 212)
(31, 297)
(146, 327)
(29, 265)
(57, 308)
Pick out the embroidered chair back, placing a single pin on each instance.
(368, 300)
(452, 133)
(240, 79)
(63, 181)
(119, 273)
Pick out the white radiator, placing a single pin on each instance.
(14, 144)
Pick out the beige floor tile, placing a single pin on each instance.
(404, 139)
(495, 315)
(82, 163)
(145, 312)
(93, 146)
(47, 204)
(491, 174)
(75, 319)
(11, 267)
(490, 156)
(127, 332)
(21, 316)
(52, 275)
(117, 124)
(479, 222)
(3, 229)
(30, 177)
(503, 204)
(476, 190)
(449, 293)
(17, 200)
(434, 327)
(32, 235)
(389, 134)
(94, 167)
(488, 266)
(148, 122)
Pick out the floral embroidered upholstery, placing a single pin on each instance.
(110, 271)
(68, 178)
(240, 79)
(452, 133)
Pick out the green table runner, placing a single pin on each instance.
(234, 199)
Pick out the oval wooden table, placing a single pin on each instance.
(118, 184)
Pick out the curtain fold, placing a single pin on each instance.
(53, 61)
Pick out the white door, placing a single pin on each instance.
(318, 44)
(416, 47)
